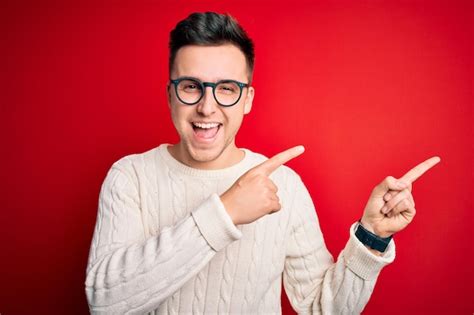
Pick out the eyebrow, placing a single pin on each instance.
(198, 79)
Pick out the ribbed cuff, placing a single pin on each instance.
(215, 223)
(361, 261)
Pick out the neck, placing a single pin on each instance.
(231, 155)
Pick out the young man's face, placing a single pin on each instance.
(209, 147)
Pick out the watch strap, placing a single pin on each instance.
(371, 240)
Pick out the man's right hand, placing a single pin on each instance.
(254, 194)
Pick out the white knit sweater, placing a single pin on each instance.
(164, 244)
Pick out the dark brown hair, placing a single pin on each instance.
(209, 29)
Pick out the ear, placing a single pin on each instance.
(249, 100)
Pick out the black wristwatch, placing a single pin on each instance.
(370, 239)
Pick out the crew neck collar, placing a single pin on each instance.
(233, 170)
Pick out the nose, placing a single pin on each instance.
(208, 105)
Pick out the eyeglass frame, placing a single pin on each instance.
(204, 85)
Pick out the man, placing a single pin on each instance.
(205, 227)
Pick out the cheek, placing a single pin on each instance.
(174, 114)
(235, 118)
(178, 111)
(177, 116)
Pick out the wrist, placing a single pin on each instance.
(374, 242)
(373, 229)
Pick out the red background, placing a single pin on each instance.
(370, 88)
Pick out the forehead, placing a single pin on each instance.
(210, 63)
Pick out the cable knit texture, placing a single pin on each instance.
(164, 244)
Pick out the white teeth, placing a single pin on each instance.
(205, 125)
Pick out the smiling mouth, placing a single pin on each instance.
(206, 131)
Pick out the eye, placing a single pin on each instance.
(228, 88)
(189, 86)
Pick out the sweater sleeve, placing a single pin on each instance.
(130, 274)
(314, 283)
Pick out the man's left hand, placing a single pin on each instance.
(391, 206)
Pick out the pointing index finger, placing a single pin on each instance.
(279, 159)
(420, 169)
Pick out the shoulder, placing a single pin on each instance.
(132, 164)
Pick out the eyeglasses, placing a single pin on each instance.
(191, 90)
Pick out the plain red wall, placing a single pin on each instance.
(370, 88)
